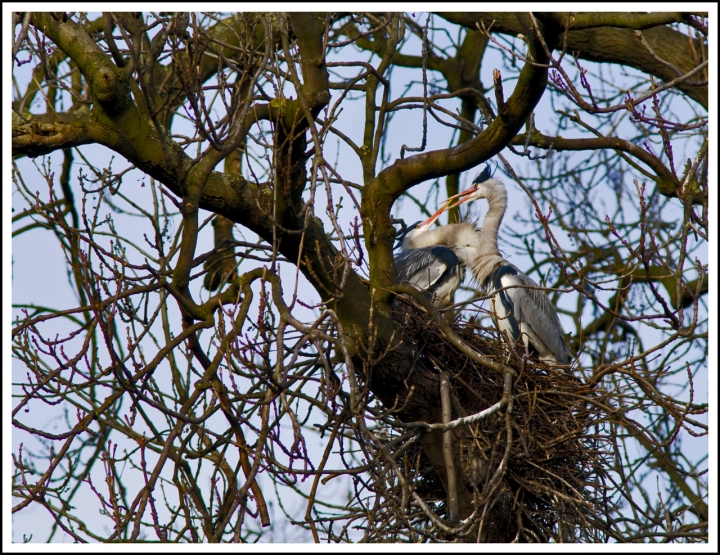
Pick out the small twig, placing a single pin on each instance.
(452, 498)
(405, 148)
(451, 425)
(499, 98)
(23, 32)
(639, 35)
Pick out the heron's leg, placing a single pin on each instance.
(526, 343)
(507, 342)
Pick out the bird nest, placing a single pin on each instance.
(544, 456)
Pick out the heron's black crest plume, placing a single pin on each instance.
(484, 175)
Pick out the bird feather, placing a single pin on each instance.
(426, 268)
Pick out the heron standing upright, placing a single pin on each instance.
(519, 307)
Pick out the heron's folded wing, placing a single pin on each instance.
(426, 268)
(538, 313)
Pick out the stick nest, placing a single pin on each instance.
(554, 469)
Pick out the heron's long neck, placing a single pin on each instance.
(497, 202)
(489, 256)
(445, 235)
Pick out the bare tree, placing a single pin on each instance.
(238, 354)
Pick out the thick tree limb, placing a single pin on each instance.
(667, 185)
(36, 139)
(607, 42)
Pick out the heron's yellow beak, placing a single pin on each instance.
(448, 204)
(435, 216)
(464, 196)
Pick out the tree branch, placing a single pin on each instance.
(612, 44)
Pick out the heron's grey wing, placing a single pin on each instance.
(536, 310)
(426, 268)
(503, 304)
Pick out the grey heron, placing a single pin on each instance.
(434, 260)
(518, 305)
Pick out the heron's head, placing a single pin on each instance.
(417, 228)
(483, 186)
(409, 231)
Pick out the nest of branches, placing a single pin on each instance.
(541, 454)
